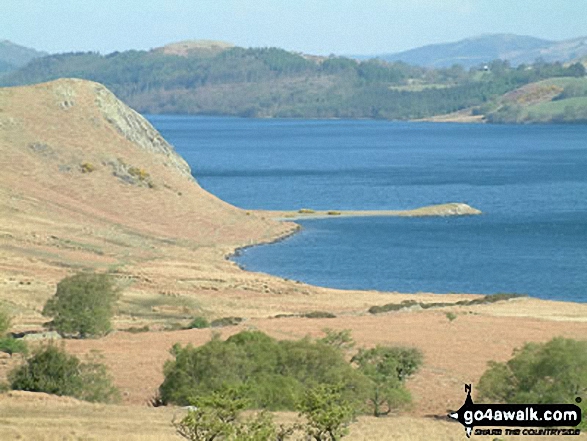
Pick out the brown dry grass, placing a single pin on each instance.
(38, 417)
(167, 247)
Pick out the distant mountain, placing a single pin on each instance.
(564, 51)
(13, 56)
(485, 48)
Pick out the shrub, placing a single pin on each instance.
(83, 305)
(212, 416)
(139, 173)
(334, 213)
(388, 368)
(137, 329)
(218, 417)
(541, 373)
(278, 372)
(53, 371)
(392, 306)
(550, 372)
(341, 340)
(199, 323)
(318, 314)
(226, 321)
(306, 211)
(451, 316)
(488, 299)
(328, 414)
(12, 346)
(88, 167)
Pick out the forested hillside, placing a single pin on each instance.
(271, 82)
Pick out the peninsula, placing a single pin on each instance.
(89, 184)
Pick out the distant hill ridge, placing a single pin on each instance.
(517, 49)
(13, 56)
(216, 78)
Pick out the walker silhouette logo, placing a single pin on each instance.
(517, 415)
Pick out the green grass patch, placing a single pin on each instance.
(199, 323)
(550, 109)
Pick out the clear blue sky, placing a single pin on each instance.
(312, 26)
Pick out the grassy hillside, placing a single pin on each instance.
(558, 100)
(91, 185)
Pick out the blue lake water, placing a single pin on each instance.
(530, 182)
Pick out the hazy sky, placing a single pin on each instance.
(312, 26)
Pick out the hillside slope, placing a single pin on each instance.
(555, 100)
(13, 56)
(471, 52)
(87, 182)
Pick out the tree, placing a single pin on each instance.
(53, 371)
(576, 70)
(217, 417)
(550, 372)
(83, 305)
(341, 340)
(387, 368)
(541, 373)
(328, 414)
(277, 372)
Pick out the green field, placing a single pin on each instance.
(558, 109)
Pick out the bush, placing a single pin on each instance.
(341, 340)
(278, 372)
(218, 417)
(318, 314)
(541, 373)
(488, 299)
(451, 316)
(226, 321)
(88, 167)
(137, 329)
(199, 323)
(328, 414)
(83, 305)
(388, 368)
(12, 346)
(213, 416)
(53, 371)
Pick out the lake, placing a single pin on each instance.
(529, 181)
